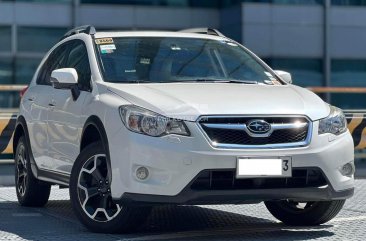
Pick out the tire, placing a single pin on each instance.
(30, 191)
(91, 197)
(304, 214)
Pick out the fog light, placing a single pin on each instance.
(142, 173)
(348, 169)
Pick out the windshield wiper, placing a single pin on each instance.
(238, 81)
(220, 81)
(136, 81)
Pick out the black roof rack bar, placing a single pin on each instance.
(88, 29)
(209, 31)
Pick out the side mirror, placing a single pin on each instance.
(285, 76)
(66, 78)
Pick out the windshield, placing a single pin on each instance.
(169, 59)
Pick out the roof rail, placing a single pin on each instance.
(209, 31)
(88, 29)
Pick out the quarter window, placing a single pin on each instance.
(56, 60)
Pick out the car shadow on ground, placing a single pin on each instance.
(57, 222)
(201, 222)
(205, 222)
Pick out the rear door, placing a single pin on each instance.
(38, 98)
(65, 120)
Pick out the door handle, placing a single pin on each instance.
(31, 99)
(52, 105)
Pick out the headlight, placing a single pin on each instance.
(335, 123)
(150, 123)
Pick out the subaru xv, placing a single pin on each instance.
(130, 120)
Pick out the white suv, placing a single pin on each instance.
(128, 120)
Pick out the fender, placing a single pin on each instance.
(97, 124)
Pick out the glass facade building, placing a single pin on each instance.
(321, 42)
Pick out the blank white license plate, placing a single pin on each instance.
(264, 167)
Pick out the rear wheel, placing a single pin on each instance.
(30, 191)
(304, 213)
(91, 195)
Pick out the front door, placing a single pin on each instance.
(65, 120)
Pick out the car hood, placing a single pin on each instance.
(188, 101)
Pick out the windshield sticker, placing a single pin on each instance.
(108, 46)
(130, 71)
(175, 47)
(104, 41)
(106, 51)
(144, 61)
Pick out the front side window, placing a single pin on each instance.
(78, 59)
(168, 59)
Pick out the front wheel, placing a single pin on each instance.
(91, 198)
(304, 213)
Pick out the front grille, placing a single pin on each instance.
(241, 137)
(226, 180)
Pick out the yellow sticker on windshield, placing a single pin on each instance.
(104, 41)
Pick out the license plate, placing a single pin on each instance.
(264, 167)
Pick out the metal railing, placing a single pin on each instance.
(344, 90)
(15, 88)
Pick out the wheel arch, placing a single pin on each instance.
(94, 131)
(21, 129)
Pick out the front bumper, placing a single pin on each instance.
(190, 197)
(174, 162)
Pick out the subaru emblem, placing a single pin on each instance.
(258, 126)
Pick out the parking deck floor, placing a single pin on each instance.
(226, 222)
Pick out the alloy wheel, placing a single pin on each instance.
(94, 190)
(22, 172)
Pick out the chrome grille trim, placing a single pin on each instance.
(274, 126)
(244, 127)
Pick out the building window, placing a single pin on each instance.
(227, 3)
(25, 69)
(305, 72)
(171, 3)
(44, 1)
(7, 99)
(349, 101)
(349, 2)
(5, 39)
(346, 72)
(6, 73)
(38, 39)
(300, 2)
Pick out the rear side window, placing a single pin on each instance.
(56, 60)
(78, 59)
